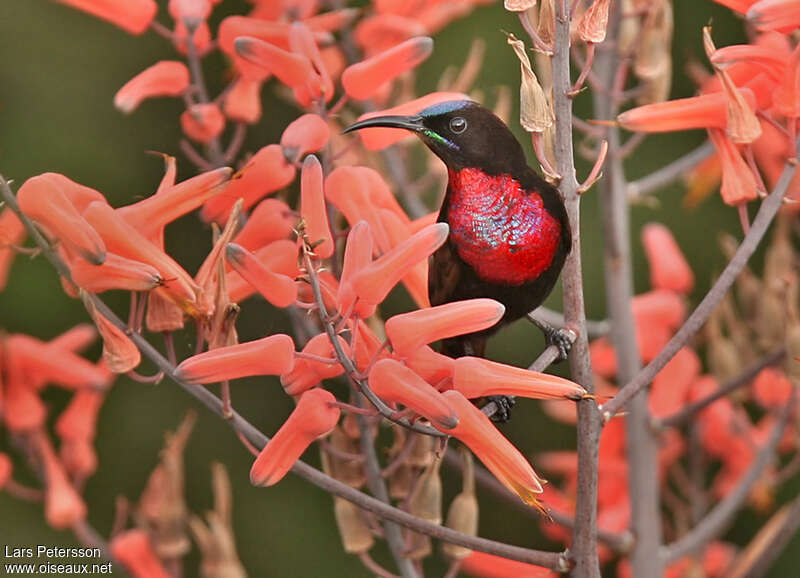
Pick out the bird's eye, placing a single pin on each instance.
(458, 124)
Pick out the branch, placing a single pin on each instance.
(766, 212)
(584, 543)
(553, 560)
(686, 412)
(717, 520)
(556, 319)
(674, 170)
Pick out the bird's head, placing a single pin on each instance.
(460, 132)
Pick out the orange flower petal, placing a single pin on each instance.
(126, 241)
(203, 122)
(507, 464)
(483, 565)
(201, 38)
(271, 220)
(279, 290)
(362, 79)
(290, 68)
(6, 469)
(416, 280)
(265, 173)
(312, 418)
(431, 366)
(394, 382)
(120, 354)
(134, 551)
(55, 363)
(348, 188)
(780, 15)
(164, 78)
(162, 314)
(704, 111)
(373, 283)
(307, 373)
(62, 505)
(738, 183)
(273, 355)
(75, 339)
(78, 458)
(192, 10)
(308, 133)
(380, 32)
(233, 27)
(243, 101)
(150, 215)
(303, 41)
(133, 16)
(658, 307)
(279, 257)
(12, 233)
(78, 421)
(668, 266)
(380, 138)
(313, 210)
(357, 256)
(23, 410)
(115, 273)
(333, 20)
(670, 389)
(592, 27)
(771, 388)
(409, 331)
(475, 377)
(42, 198)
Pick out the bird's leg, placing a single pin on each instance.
(561, 338)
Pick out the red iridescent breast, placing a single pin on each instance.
(501, 230)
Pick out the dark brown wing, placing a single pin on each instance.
(444, 274)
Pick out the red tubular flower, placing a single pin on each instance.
(233, 27)
(362, 79)
(23, 410)
(273, 355)
(658, 307)
(483, 565)
(475, 377)
(201, 38)
(379, 138)
(43, 199)
(373, 283)
(115, 273)
(271, 220)
(704, 111)
(357, 255)
(313, 210)
(75, 339)
(149, 216)
(303, 41)
(78, 420)
(191, 10)
(62, 504)
(243, 101)
(380, 32)
(431, 366)
(52, 363)
(771, 388)
(307, 373)
(308, 133)
(313, 417)
(670, 389)
(127, 241)
(381, 195)
(279, 257)
(348, 188)
(279, 290)
(290, 68)
(410, 331)
(593, 23)
(416, 280)
(267, 172)
(740, 6)
(478, 433)
(780, 15)
(668, 266)
(12, 233)
(394, 382)
(120, 354)
(6, 468)
(164, 78)
(133, 16)
(203, 122)
(134, 551)
(787, 95)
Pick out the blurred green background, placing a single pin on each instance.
(59, 70)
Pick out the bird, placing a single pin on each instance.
(509, 231)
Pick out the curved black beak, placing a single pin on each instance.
(412, 123)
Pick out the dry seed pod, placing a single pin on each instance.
(350, 472)
(546, 23)
(779, 258)
(737, 330)
(656, 88)
(748, 286)
(535, 114)
(422, 453)
(518, 5)
(502, 104)
(419, 546)
(353, 528)
(655, 40)
(629, 26)
(426, 499)
(792, 365)
(401, 480)
(770, 320)
(462, 515)
(723, 359)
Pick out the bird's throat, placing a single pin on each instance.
(500, 229)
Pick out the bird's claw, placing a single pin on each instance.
(562, 339)
(503, 403)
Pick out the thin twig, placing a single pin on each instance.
(667, 174)
(688, 411)
(769, 208)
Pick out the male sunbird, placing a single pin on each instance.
(509, 232)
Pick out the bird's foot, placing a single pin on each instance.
(561, 338)
(503, 403)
